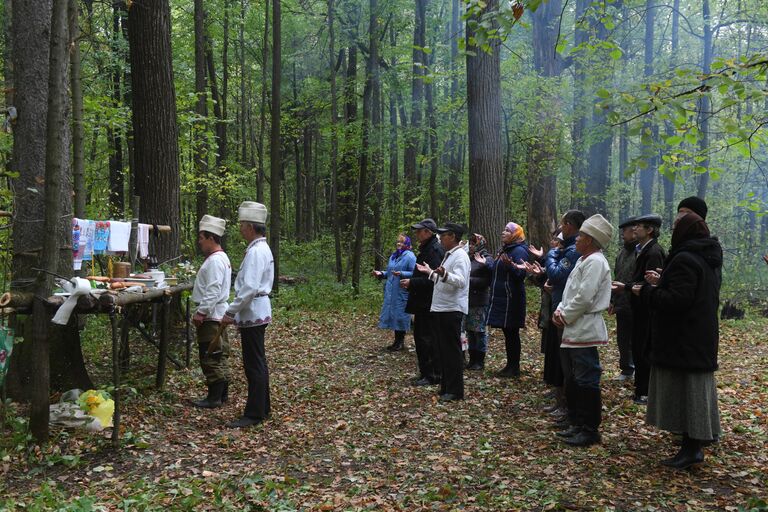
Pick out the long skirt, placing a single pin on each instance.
(684, 402)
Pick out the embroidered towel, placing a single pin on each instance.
(142, 240)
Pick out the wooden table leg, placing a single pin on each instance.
(165, 319)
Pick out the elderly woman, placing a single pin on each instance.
(479, 298)
(683, 353)
(393, 315)
(507, 309)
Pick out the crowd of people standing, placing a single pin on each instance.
(665, 305)
(453, 289)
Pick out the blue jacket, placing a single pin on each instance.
(508, 289)
(559, 263)
(393, 315)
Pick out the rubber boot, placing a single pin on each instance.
(589, 409)
(214, 398)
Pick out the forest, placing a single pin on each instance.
(351, 120)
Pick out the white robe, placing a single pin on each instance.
(587, 294)
(212, 284)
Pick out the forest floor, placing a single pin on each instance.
(348, 432)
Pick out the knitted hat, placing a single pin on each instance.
(696, 205)
(599, 229)
(213, 225)
(251, 211)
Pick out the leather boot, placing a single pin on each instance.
(512, 369)
(475, 360)
(225, 393)
(213, 400)
(399, 343)
(690, 453)
(590, 411)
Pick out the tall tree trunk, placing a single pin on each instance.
(350, 155)
(78, 137)
(417, 96)
(705, 102)
(154, 120)
(454, 168)
(223, 169)
(669, 180)
(580, 109)
(369, 156)
(55, 168)
(334, 146)
(541, 200)
(434, 157)
(116, 180)
(486, 174)
(243, 104)
(650, 130)
(275, 159)
(201, 113)
(263, 105)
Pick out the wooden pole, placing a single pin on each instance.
(115, 379)
(135, 204)
(165, 320)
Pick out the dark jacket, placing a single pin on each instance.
(508, 288)
(623, 272)
(684, 304)
(650, 258)
(420, 287)
(479, 283)
(558, 264)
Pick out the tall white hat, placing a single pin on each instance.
(251, 211)
(213, 225)
(598, 228)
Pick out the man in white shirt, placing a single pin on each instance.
(252, 310)
(450, 302)
(587, 294)
(211, 293)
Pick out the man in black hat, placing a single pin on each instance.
(450, 302)
(623, 271)
(650, 256)
(420, 301)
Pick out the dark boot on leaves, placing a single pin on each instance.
(399, 343)
(214, 398)
(690, 453)
(476, 360)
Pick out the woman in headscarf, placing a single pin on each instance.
(479, 298)
(507, 309)
(683, 353)
(393, 315)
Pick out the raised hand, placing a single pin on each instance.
(424, 268)
(537, 253)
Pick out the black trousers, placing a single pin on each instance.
(512, 347)
(426, 353)
(624, 340)
(447, 329)
(641, 331)
(256, 372)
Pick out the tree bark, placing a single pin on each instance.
(417, 96)
(650, 131)
(78, 137)
(334, 147)
(486, 173)
(263, 105)
(154, 119)
(542, 151)
(275, 159)
(669, 180)
(705, 102)
(201, 113)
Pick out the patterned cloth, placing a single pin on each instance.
(476, 319)
(518, 235)
(681, 401)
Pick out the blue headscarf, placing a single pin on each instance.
(405, 247)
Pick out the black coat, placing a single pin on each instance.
(479, 284)
(684, 303)
(650, 258)
(420, 287)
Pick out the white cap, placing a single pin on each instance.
(251, 211)
(599, 229)
(213, 225)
